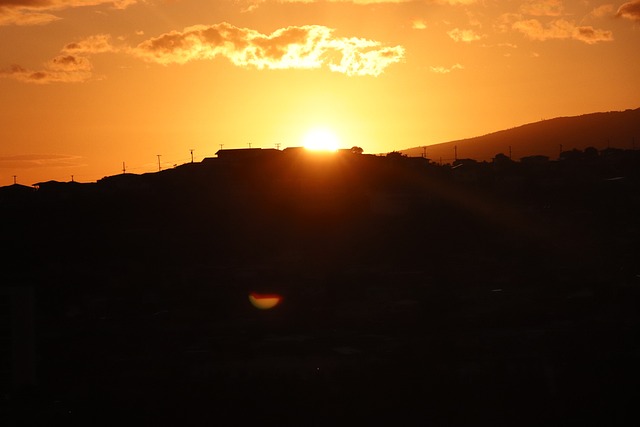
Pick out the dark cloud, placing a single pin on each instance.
(71, 66)
(61, 69)
(630, 10)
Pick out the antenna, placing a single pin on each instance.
(14, 179)
(191, 149)
(124, 169)
(221, 145)
(159, 168)
(72, 178)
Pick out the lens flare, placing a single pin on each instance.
(264, 301)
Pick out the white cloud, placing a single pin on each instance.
(466, 36)
(446, 70)
(418, 24)
(309, 46)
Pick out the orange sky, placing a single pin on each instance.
(88, 84)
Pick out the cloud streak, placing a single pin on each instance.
(254, 4)
(543, 8)
(61, 69)
(304, 47)
(29, 161)
(39, 12)
(445, 2)
(561, 29)
(445, 70)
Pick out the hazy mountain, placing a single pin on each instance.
(615, 129)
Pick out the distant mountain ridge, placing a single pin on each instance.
(615, 129)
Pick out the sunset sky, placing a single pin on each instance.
(88, 84)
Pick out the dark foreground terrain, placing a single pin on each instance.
(502, 293)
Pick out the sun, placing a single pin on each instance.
(321, 139)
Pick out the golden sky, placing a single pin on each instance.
(88, 84)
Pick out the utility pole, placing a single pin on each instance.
(424, 151)
(249, 145)
(14, 179)
(278, 145)
(159, 168)
(560, 155)
(124, 169)
(191, 154)
(72, 178)
(509, 152)
(221, 145)
(455, 152)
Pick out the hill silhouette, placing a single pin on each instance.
(615, 129)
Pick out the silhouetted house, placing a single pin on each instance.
(571, 155)
(242, 154)
(60, 190)
(465, 170)
(535, 160)
(125, 182)
(536, 164)
(15, 193)
(417, 162)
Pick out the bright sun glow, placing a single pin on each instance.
(321, 139)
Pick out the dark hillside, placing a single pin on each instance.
(502, 293)
(616, 129)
